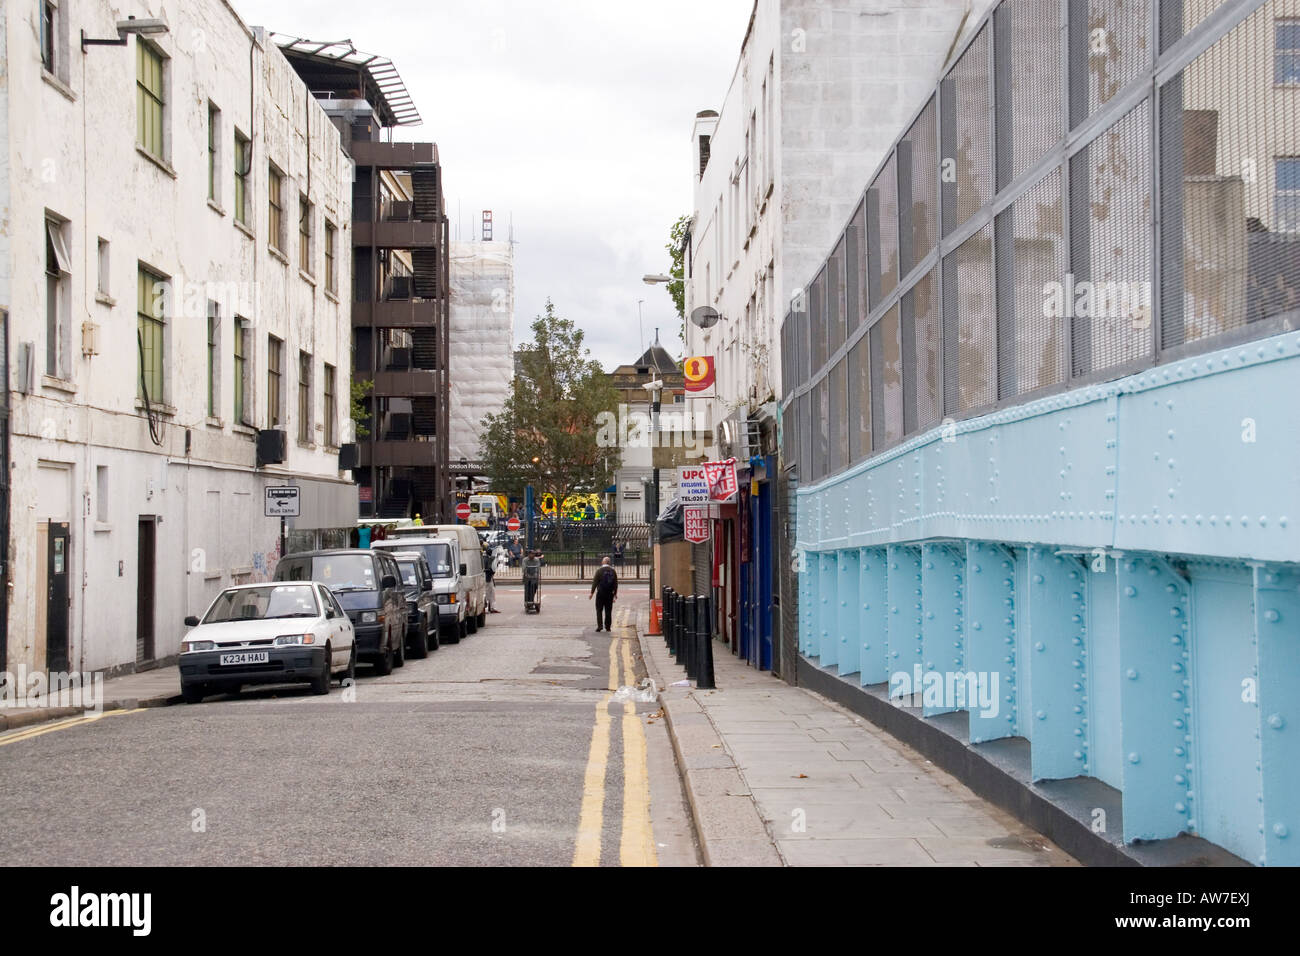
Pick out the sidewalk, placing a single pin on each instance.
(153, 688)
(777, 775)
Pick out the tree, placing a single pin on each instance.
(547, 431)
(677, 254)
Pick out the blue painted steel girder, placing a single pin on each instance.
(848, 618)
(827, 609)
(1155, 701)
(873, 595)
(990, 620)
(1277, 628)
(943, 569)
(1056, 618)
(904, 591)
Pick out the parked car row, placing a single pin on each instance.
(326, 611)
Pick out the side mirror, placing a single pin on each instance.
(388, 582)
(426, 585)
(464, 570)
(191, 621)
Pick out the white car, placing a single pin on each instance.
(278, 633)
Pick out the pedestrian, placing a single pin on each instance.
(604, 588)
(418, 522)
(363, 537)
(618, 553)
(489, 572)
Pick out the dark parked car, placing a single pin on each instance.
(369, 586)
(421, 609)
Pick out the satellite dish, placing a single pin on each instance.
(705, 317)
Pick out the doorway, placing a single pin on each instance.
(56, 597)
(146, 561)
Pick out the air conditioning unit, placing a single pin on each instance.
(272, 446)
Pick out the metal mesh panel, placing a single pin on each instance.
(1110, 46)
(886, 380)
(801, 341)
(1180, 17)
(884, 242)
(1028, 331)
(787, 365)
(970, 320)
(1108, 295)
(966, 166)
(918, 167)
(1028, 70)
(821, 423)
(1230, 208)
(855, 265)
(790, 435)
(839, 417)
(835, 300)
(817, 322)
(859, 388)
(805, 437)
(920, 328)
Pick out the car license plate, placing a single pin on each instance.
(247, 657)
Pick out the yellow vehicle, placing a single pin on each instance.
(575, 507)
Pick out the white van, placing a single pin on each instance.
(475, 582)
(450, 588)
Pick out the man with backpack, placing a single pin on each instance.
(604, 588)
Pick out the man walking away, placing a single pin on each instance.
(489, 572)
(604, 588)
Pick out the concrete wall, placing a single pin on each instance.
(841, 79)
(73, 154)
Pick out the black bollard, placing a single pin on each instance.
(689, 654)
(677, 627)
(667, 627)
(704, 635)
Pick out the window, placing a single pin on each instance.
(101, 494)
(1286, 194)
(304, 235)
(1286, 52)
(275, 220)
(241, 368)
(58, 300)
(243, 162)
(331, 277)
(151, 312)
(331, 414)
(214, 360)
(214, 154)
(149, 99)
(274, 395)
(49, 24)
(104, 268)
(304, 397)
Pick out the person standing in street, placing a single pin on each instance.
(604, 588)
(489, 572)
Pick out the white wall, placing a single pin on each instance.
(845, 75)
(481, 361)
(73, 153)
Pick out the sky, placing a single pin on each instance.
(569, 119)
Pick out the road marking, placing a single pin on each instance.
(61, 725)
(637, 847)
(591, 818)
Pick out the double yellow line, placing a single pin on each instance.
(636, 847)
(50, 728)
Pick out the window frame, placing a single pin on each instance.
(331, 258)
(1290, 52)
(331, 409)
(214, 153)
(304, 397)
(274, 382)
(1292, 196)
(214, 360)
(156, 325)
(275, 208)
(239, 351)
(306, 234)
(49, 34)
(156, 99)
(243, 159)
(58, 298)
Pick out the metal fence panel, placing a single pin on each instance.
(966, 165)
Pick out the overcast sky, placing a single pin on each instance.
(571, 118)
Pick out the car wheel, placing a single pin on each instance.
(193, 693)
(321, 685)
(435, 637)
(420, 648)
(351, 673)
(384, 663)
(482, 619)
(399, 654)
(462, 630)
(471, 625)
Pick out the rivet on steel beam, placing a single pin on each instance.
(1134, 758)
(1131, 674)
(1276, 721)
(1272, 616)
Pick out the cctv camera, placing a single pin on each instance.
(654, 386)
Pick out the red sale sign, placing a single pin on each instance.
(695, 524)
(721, 476)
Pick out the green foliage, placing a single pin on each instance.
(360, 389)
(551, 415)
(677, 253)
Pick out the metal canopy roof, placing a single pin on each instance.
(396, 109)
